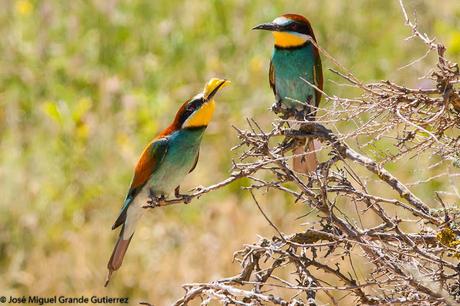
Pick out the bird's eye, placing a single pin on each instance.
(191, 107)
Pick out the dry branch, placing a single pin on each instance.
(409, 255)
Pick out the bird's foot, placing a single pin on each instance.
(154, 200)
(184, 197)
(277, 107)
(300, 112)
(287, 112)
(198, 188)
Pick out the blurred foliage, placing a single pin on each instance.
(85, 84)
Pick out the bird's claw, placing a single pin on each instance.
(186, 198)
(276, 107)
(154, 200)
(286, 112)
(198, 188)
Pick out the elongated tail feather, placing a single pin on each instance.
(118, 254)
(130, 215)
(308, 162)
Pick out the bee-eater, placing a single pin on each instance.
(294, 61)
(163, 165)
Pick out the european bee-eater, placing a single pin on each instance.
(163, 165)
(296, 59)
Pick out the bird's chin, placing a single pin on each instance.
(288, 39)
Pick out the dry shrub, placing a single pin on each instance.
(384, 245)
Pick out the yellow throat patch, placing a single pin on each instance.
(286, 40)
(203, 116)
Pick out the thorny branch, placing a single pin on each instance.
(398, 245)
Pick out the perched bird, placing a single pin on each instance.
(296, 60)
(163, 165)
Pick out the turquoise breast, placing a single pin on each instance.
(291, 66)
(183, 148)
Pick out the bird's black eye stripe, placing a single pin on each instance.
(299, 28)
(192, 106)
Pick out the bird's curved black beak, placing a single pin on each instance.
(222, 83)
(267, 26)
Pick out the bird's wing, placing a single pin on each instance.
(318, 78)
(271, 77)
(151, 157)
(196, 162)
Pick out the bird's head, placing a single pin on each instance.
(289, 30)
(198, 111)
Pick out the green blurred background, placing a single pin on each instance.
(84, 85)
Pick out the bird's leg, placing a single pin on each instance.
(152, 201)
(177, 192)
(277, 106)
(155, 200)
(301, 111)
(185, 197)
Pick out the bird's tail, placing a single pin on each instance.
(118, 254)
(306, 162)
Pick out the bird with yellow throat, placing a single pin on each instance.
(296, 78)
(163, 165)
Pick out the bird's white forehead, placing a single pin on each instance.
(198, 96)
(281, 20)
